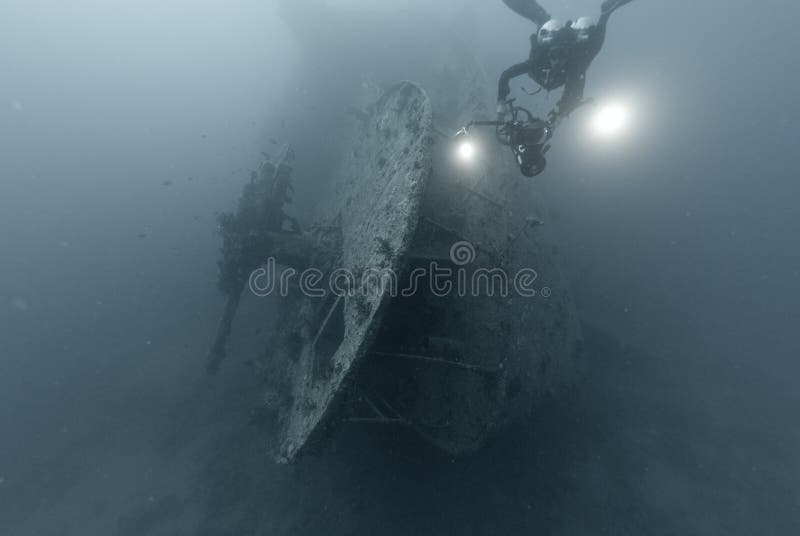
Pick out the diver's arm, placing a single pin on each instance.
(572, 98)
(514, 71)
(530, 9)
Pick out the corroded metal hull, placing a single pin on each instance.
(454, 364)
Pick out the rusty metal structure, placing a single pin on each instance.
(453, 363)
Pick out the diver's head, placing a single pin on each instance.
(583, 28)
(549, 31)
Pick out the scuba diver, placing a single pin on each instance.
(560, 55)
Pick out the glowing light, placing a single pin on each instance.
(611, 120)
(466, 150)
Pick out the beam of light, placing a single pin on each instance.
(466, 150)
(611, 120)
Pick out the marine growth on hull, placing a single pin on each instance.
(448, 313)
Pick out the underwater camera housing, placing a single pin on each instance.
(526, 135)
(528, 142)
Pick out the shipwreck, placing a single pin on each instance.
(454, 362)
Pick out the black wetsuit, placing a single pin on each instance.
(548, 65)
(564, 62)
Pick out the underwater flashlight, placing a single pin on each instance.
(526, 135)
(465, 145)
(611, 120)
(466, 150)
